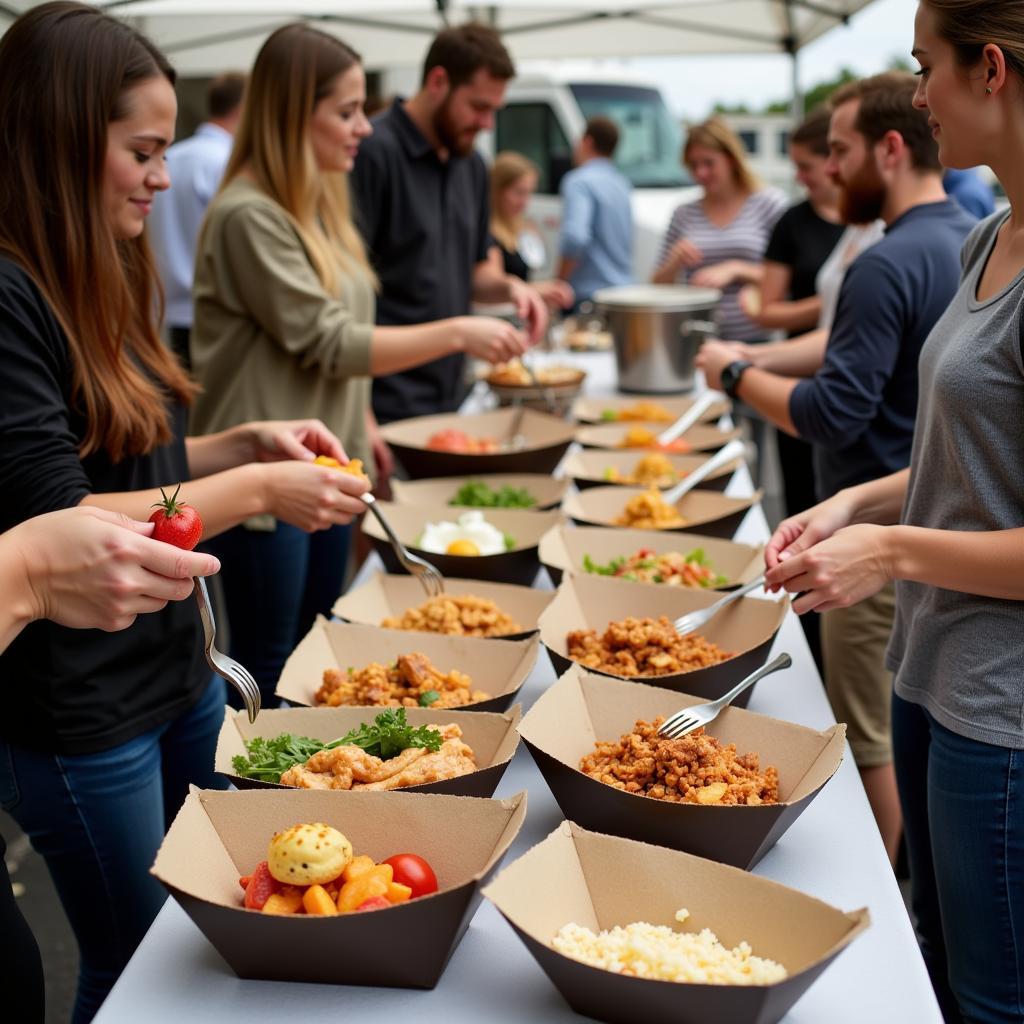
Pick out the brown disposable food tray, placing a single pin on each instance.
(582, 709)
(386, 596)
(587, 468)
(547, 490)
(562, 549)
(219, 836)
(492, 737)
(705, 512)
(703, 437)
(546, 440)
(498, 670)
(748, 626)
(518, 565)
(592, 410)
(578, 876)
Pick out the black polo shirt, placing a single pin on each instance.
(426, 227)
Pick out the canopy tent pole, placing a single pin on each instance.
(792, 47)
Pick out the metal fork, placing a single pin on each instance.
(514, 441)
(692, 621)
(682, 722)
(429, 575)
(687, 420)
(733, 450)
(236, 674)
(546, 394)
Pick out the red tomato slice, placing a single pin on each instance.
(261, 885)
(375, 903)
(414, 872)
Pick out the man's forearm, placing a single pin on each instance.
(768, 395)
(801, 357)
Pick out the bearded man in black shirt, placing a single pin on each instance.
(422, 204)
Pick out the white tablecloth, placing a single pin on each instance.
(833, 852)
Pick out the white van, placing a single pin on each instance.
(544, 117)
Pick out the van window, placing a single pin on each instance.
(533, 130)
(650, 139)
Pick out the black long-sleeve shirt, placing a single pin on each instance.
(70, 691)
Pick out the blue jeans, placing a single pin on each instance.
(275, 584)
(98, 820)
(963, 817)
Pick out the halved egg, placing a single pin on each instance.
(471, 534)
(462, 546)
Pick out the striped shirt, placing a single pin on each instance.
(745, 237)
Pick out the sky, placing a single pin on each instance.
(874, 36)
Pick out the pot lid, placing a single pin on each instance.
(652, 297)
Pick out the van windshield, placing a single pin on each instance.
(650, 140)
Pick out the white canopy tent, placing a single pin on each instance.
(204, 36)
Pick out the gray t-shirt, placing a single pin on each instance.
(959, 655)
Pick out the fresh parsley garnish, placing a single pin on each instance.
(428, 698)
(390, 734)
(387, 736)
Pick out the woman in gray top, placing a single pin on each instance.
(950, 531)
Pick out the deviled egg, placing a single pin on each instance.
(470, 534)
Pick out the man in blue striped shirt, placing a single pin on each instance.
(597, 219)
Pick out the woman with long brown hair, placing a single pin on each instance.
(284, 321)
(102, 733)
(950, 532)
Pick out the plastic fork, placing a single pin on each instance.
(733, 450)
(235, 673)
(687, 420)
(692, 621)
(429, 575)
(682, 722)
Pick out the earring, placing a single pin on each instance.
(988, 90)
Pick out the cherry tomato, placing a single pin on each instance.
(414, 872)
(176, 522)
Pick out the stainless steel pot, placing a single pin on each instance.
(657, 330)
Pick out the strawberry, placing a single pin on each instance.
(175, 522)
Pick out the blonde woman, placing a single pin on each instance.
(284, 319)
(719, 240)
(520, 248)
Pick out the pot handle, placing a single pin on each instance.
(703, 328)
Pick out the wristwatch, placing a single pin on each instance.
(731, 375)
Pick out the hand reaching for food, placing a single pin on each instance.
(846, 568)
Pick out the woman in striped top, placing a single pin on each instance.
(719, 241)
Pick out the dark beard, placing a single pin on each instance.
(861, 199)
(448, 133)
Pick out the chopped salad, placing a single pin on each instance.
(672, 568)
